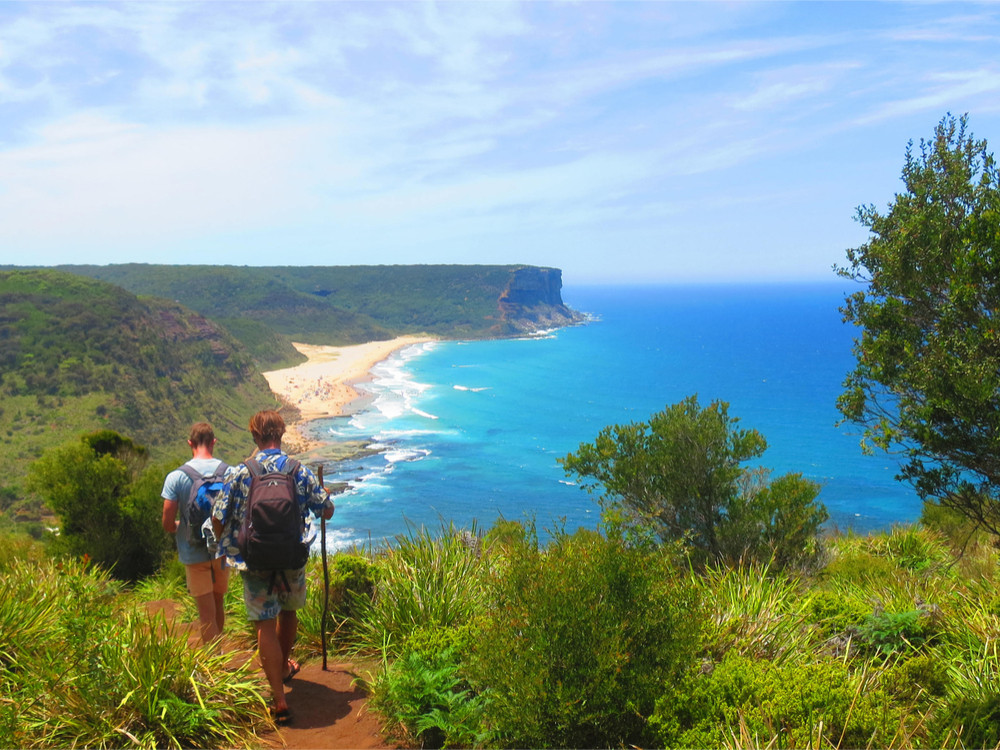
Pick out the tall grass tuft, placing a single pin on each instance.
(93, 670)
(421, 581)
(755, 611)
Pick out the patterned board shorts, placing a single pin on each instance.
(266, 593)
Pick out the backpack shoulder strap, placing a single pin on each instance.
(291, 466)
(254, 466)
(220, 470)
(191, 472)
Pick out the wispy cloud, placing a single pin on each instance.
(210, 130)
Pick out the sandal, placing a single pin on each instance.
(282, 716)
(293, 669)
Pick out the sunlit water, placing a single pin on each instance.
(468, 432)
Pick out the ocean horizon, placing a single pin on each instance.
(467, 432)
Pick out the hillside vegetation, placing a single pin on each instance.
(494, 640)
(267, 307)
(77, 354)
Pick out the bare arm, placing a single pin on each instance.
(169, 516)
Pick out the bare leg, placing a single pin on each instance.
(271, 660)
(288, 624)
(220, 611)
(208, 617)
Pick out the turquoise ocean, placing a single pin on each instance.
(468, 432)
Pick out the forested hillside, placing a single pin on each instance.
(77, 354)
(265, 307)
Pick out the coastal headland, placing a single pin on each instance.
(323, 386)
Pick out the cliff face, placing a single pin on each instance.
(533, 302)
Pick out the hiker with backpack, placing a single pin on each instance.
(188, 494)
(264, 523)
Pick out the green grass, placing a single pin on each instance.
(83, 664)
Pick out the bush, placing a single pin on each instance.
(580, 639)
(834, 613)
(425, 694)
(108, 503)
(352, 583)
(755, 611)
(893, 632)
(786, 705)
(682, 475)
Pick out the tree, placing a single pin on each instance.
(927, 378)
(680, 475)
(107, 502)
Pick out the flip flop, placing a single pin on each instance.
(293, 669)
(282, 717)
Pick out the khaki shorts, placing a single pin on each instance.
(267, 594)
(210, 577)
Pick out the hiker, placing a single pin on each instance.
(274, 573)
(206, 573)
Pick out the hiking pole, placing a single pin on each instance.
(326, 575)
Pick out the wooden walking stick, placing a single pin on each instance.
(326, 575)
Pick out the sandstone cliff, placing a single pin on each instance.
(533, 302)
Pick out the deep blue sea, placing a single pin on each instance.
(471, 431)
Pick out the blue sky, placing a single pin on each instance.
(620, 141)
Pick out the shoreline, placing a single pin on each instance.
(323, 385)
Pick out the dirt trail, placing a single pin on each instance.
(328, 712)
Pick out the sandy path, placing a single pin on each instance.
(323, 385)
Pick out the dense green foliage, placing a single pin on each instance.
(243, 293)
(108, 503)
(334, 305)
(78, 355)
(579, 639)
(680, 474)
(591, 639)
(82, 666)
(927, 378)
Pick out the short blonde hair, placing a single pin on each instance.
(267, 427)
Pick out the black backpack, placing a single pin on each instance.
(270, 537)
(198, 506)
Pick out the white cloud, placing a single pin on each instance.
(467, 129)
(942, 91)
(90, 179)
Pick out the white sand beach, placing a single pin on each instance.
(323, 385)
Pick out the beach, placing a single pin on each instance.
(323, 386)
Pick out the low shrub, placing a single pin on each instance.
(833, 613)
(579, 639)
(777, 705)
(85, 667)
(893, 632)
(755, 610)
(351, 584)
(424, 693)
